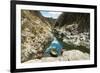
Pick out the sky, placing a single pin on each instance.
(50, 14)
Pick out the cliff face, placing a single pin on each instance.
(35, 34)
(68, 18)
(74, 28)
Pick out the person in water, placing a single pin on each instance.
(55, 49)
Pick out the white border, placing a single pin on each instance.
(20, 65)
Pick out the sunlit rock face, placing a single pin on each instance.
(72, 55)
(75, 55)
(35, 34)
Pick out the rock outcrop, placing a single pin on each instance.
(68, 18)
(74, 28)
(35, 34)
(72, 55)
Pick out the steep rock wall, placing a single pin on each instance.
(35, 34)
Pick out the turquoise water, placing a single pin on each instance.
(55, 44)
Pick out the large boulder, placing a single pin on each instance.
(72, 55)
(75, 55)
